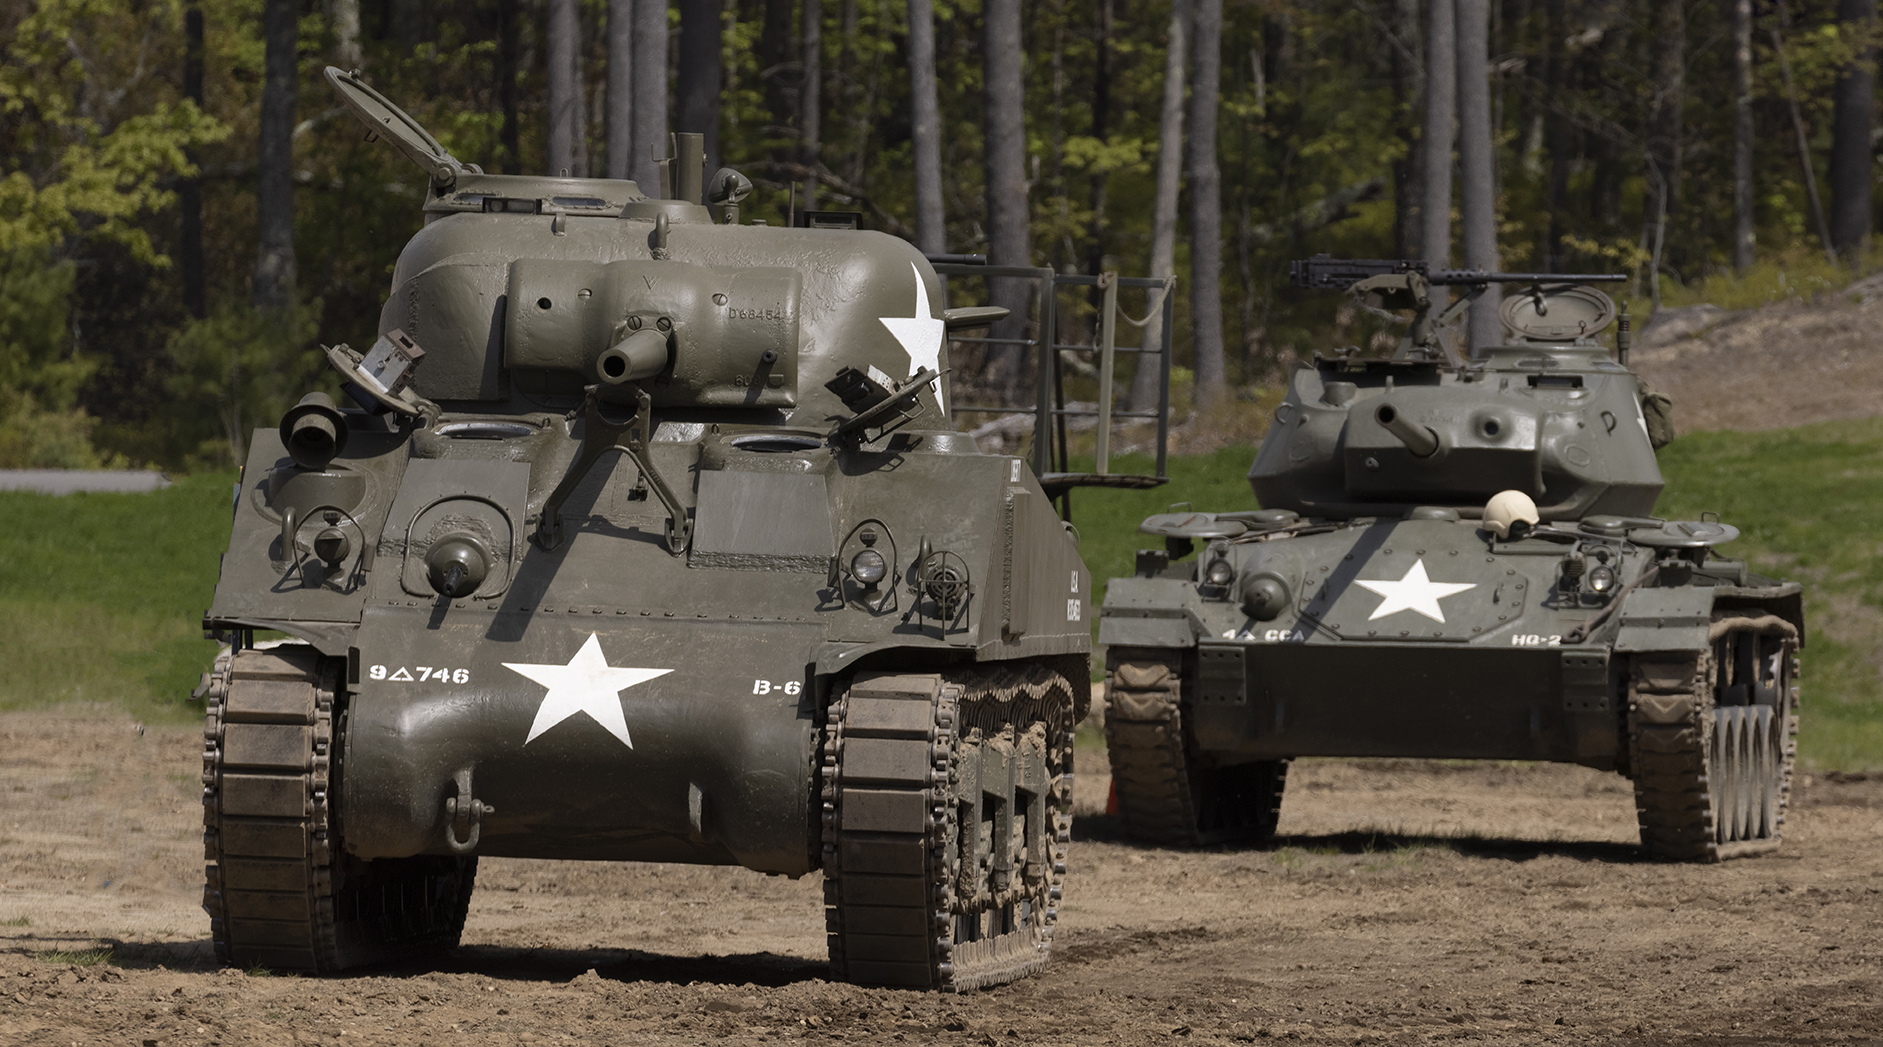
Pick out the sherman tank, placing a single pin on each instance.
(1455, 558)
(647, 538)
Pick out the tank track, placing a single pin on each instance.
(1712, 741)
(908, 762)
(279, 889)
(1165, 793)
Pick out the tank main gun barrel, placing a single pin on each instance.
(1417, 438)
(1327, 273)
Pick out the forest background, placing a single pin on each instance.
(185, 209)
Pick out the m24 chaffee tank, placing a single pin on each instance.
(1456, 559)
(653, 544)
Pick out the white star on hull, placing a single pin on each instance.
(588, 684)
(920, 335)
(1414, 592)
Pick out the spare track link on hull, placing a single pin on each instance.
(1712, 741)
(279, 890)
(1164, 794)
(910, 761)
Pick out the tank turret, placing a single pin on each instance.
(1548, 413)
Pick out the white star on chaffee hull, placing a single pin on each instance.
(588, 684)
(920, 335)
(1414, 592)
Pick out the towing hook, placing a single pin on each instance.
(464, 816)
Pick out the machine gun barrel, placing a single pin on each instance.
(1323, 272)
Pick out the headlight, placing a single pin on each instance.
(1219, 572)
(868, 567)
(1601, 579)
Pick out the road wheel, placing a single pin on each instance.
(1712, 741)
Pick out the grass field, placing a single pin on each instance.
(100, 595)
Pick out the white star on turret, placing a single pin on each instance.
(921, 335)
(1414, 592)
(588, 684)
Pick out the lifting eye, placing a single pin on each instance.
(1490, 427)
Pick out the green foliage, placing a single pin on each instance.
(32, 437)
(79, 167)
(102, 595)
(40, 426)
(233, 371)
(1316, 97)
(1800, 272)
(35, 357)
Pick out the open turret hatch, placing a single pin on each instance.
(392, 123)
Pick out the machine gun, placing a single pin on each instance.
(1385, 283)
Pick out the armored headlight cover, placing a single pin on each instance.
(1219, 572)
(1601, 578)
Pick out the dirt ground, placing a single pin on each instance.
(1788, 363)
(1405, 902)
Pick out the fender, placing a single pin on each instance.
(1672, 619)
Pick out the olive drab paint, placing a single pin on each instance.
(651, 491)
(1370, 609)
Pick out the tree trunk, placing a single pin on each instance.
(1853, 113)
(851, 93)
(507, 85)
(1441, 108)
(274, 190)
(1206, 206)
(1477, 189)
(1008, 236)
(925, 129)
(777, 57)
(1164, 208)
(1558, 139)
(190, 191)
(1101, 130)
(565, 101)
(1664, 129)
(1408, 89)
(1743, 237)
(619, 124)
(650, 93)
(811, 102)
(1798, 129)
(344, 18)
(697, 109)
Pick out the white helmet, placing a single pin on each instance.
(1507, 508)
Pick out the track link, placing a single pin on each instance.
(279, 889)
(1167, 793)
(946, 817)
(1713, 740)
